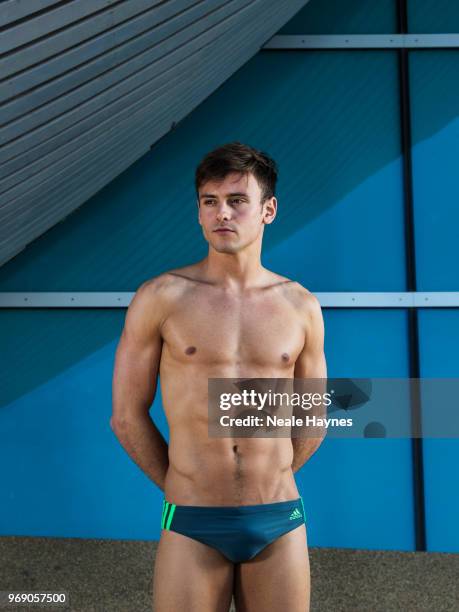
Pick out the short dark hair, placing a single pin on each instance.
(238, 157)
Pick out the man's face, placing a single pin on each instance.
(231, 214)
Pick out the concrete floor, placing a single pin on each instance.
(115, 576)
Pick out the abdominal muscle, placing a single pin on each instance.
(216, 471)
(205, 471)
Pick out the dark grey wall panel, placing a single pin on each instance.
(110, 80)
(105, 125)
(54, 151)
(13, 10)
(74, 34)
(66, 60)
(64, 160)
(23, 166)
(114, 58)
(41, 25)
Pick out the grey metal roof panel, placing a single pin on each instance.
(13, 10)
(56, 42)
(98, 94)
(99, 127)
(89, 49)
(94, 124)
(73, 88)
(41, 25)
(79, 130)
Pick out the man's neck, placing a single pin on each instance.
(233, 271)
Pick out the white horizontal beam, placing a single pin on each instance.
(66, 299)
(122, 299)
(407, 299)
(363, 41)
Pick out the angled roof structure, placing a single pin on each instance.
(88, 86)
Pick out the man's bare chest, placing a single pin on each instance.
(264, 330)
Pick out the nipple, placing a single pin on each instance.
(285, 357)
(190, 350)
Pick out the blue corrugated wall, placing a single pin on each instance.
(331, 119)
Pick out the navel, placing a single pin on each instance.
(190, 350)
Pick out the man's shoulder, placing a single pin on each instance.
(156, 297)
(296, 293)
(169, 284)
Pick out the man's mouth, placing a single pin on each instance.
(224, 230)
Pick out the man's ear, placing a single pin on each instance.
(199, 211)
(270, 210)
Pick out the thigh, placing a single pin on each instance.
(276, 579)
(189, 575)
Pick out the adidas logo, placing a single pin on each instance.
(295, 514)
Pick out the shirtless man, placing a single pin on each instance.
(233, 521)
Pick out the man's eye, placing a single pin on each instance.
(234, 200)
(209, 201)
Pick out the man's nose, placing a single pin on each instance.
(223, 212)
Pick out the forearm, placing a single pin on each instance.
(303, 449)
(144, 443)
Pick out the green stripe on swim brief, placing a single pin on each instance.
(302, 505)
(171, 514)
(163, 516)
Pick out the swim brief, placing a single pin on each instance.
(238, 532)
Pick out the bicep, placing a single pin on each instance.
(137, 358)
(311, 361)
(311, 364)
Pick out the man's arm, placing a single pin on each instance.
(310, 364)
(134, 384)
